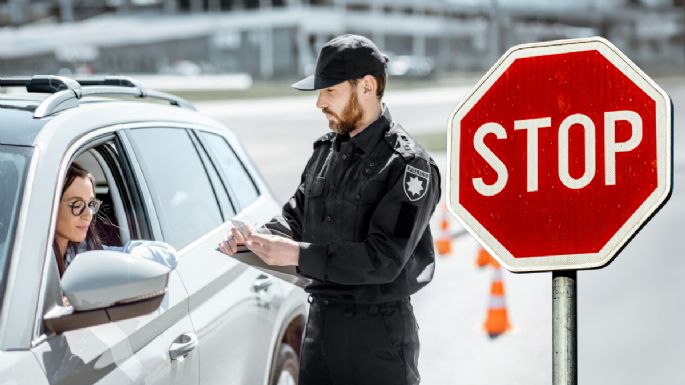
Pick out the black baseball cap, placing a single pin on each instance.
(343, 58)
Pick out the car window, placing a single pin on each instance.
(183, 197)
(228, 208)
(122, 216)
(231, 169)
(13, 165)
(106, 222)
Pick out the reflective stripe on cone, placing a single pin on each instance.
(497, 319)
(443, 243)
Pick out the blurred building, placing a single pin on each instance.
(280, 38)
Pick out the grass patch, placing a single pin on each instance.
(433, 141)
(259, 90)
(281, 88)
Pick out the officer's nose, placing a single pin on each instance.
(320, 103)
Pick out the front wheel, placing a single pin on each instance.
(286, 371)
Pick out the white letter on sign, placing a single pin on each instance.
(494, 162)
(532, 126)
(610, 145)
(589, 130)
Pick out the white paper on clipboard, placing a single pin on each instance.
(286, 273)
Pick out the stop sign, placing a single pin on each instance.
(559, 155)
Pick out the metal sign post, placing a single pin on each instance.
(564, 328)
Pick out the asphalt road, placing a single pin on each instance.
(630, 319)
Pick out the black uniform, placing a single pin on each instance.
(361, 216)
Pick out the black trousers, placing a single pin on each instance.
(360, 345)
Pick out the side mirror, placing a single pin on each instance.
(106, 286)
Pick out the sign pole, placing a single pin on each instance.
(564, 328)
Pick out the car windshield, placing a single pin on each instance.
(14, 162)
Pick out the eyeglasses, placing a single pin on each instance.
(79, 206)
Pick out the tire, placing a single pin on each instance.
(287, 368)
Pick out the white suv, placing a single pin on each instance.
(164, 172)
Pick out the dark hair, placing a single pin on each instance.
(92, 241)
(381, 80)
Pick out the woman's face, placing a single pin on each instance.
(75, 227)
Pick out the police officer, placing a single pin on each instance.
(357, 226)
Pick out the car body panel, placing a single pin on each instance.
(220, 292)
(22, 365)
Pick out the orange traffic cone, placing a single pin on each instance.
(443, 243)
(484, 258)
(497, 320)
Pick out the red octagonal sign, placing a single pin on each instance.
(559, 155)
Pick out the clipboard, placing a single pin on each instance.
(285, 273)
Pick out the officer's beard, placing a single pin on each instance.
(349, 119)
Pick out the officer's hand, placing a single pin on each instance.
(230, 244)
(274, 250)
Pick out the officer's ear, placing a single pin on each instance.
(369, 85)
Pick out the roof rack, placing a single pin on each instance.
(66, 92)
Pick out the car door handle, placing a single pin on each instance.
(182, 346)
(262, 283)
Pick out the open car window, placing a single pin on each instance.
(121, 216)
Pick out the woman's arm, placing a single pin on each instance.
(160, 252)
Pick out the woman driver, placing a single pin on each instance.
(75, 229)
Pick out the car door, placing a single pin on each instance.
(133, 351)
(231, 305)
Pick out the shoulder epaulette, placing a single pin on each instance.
(403, 144)
(328, 137)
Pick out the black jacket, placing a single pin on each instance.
(361, 214)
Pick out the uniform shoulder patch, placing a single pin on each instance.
(415, 182)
